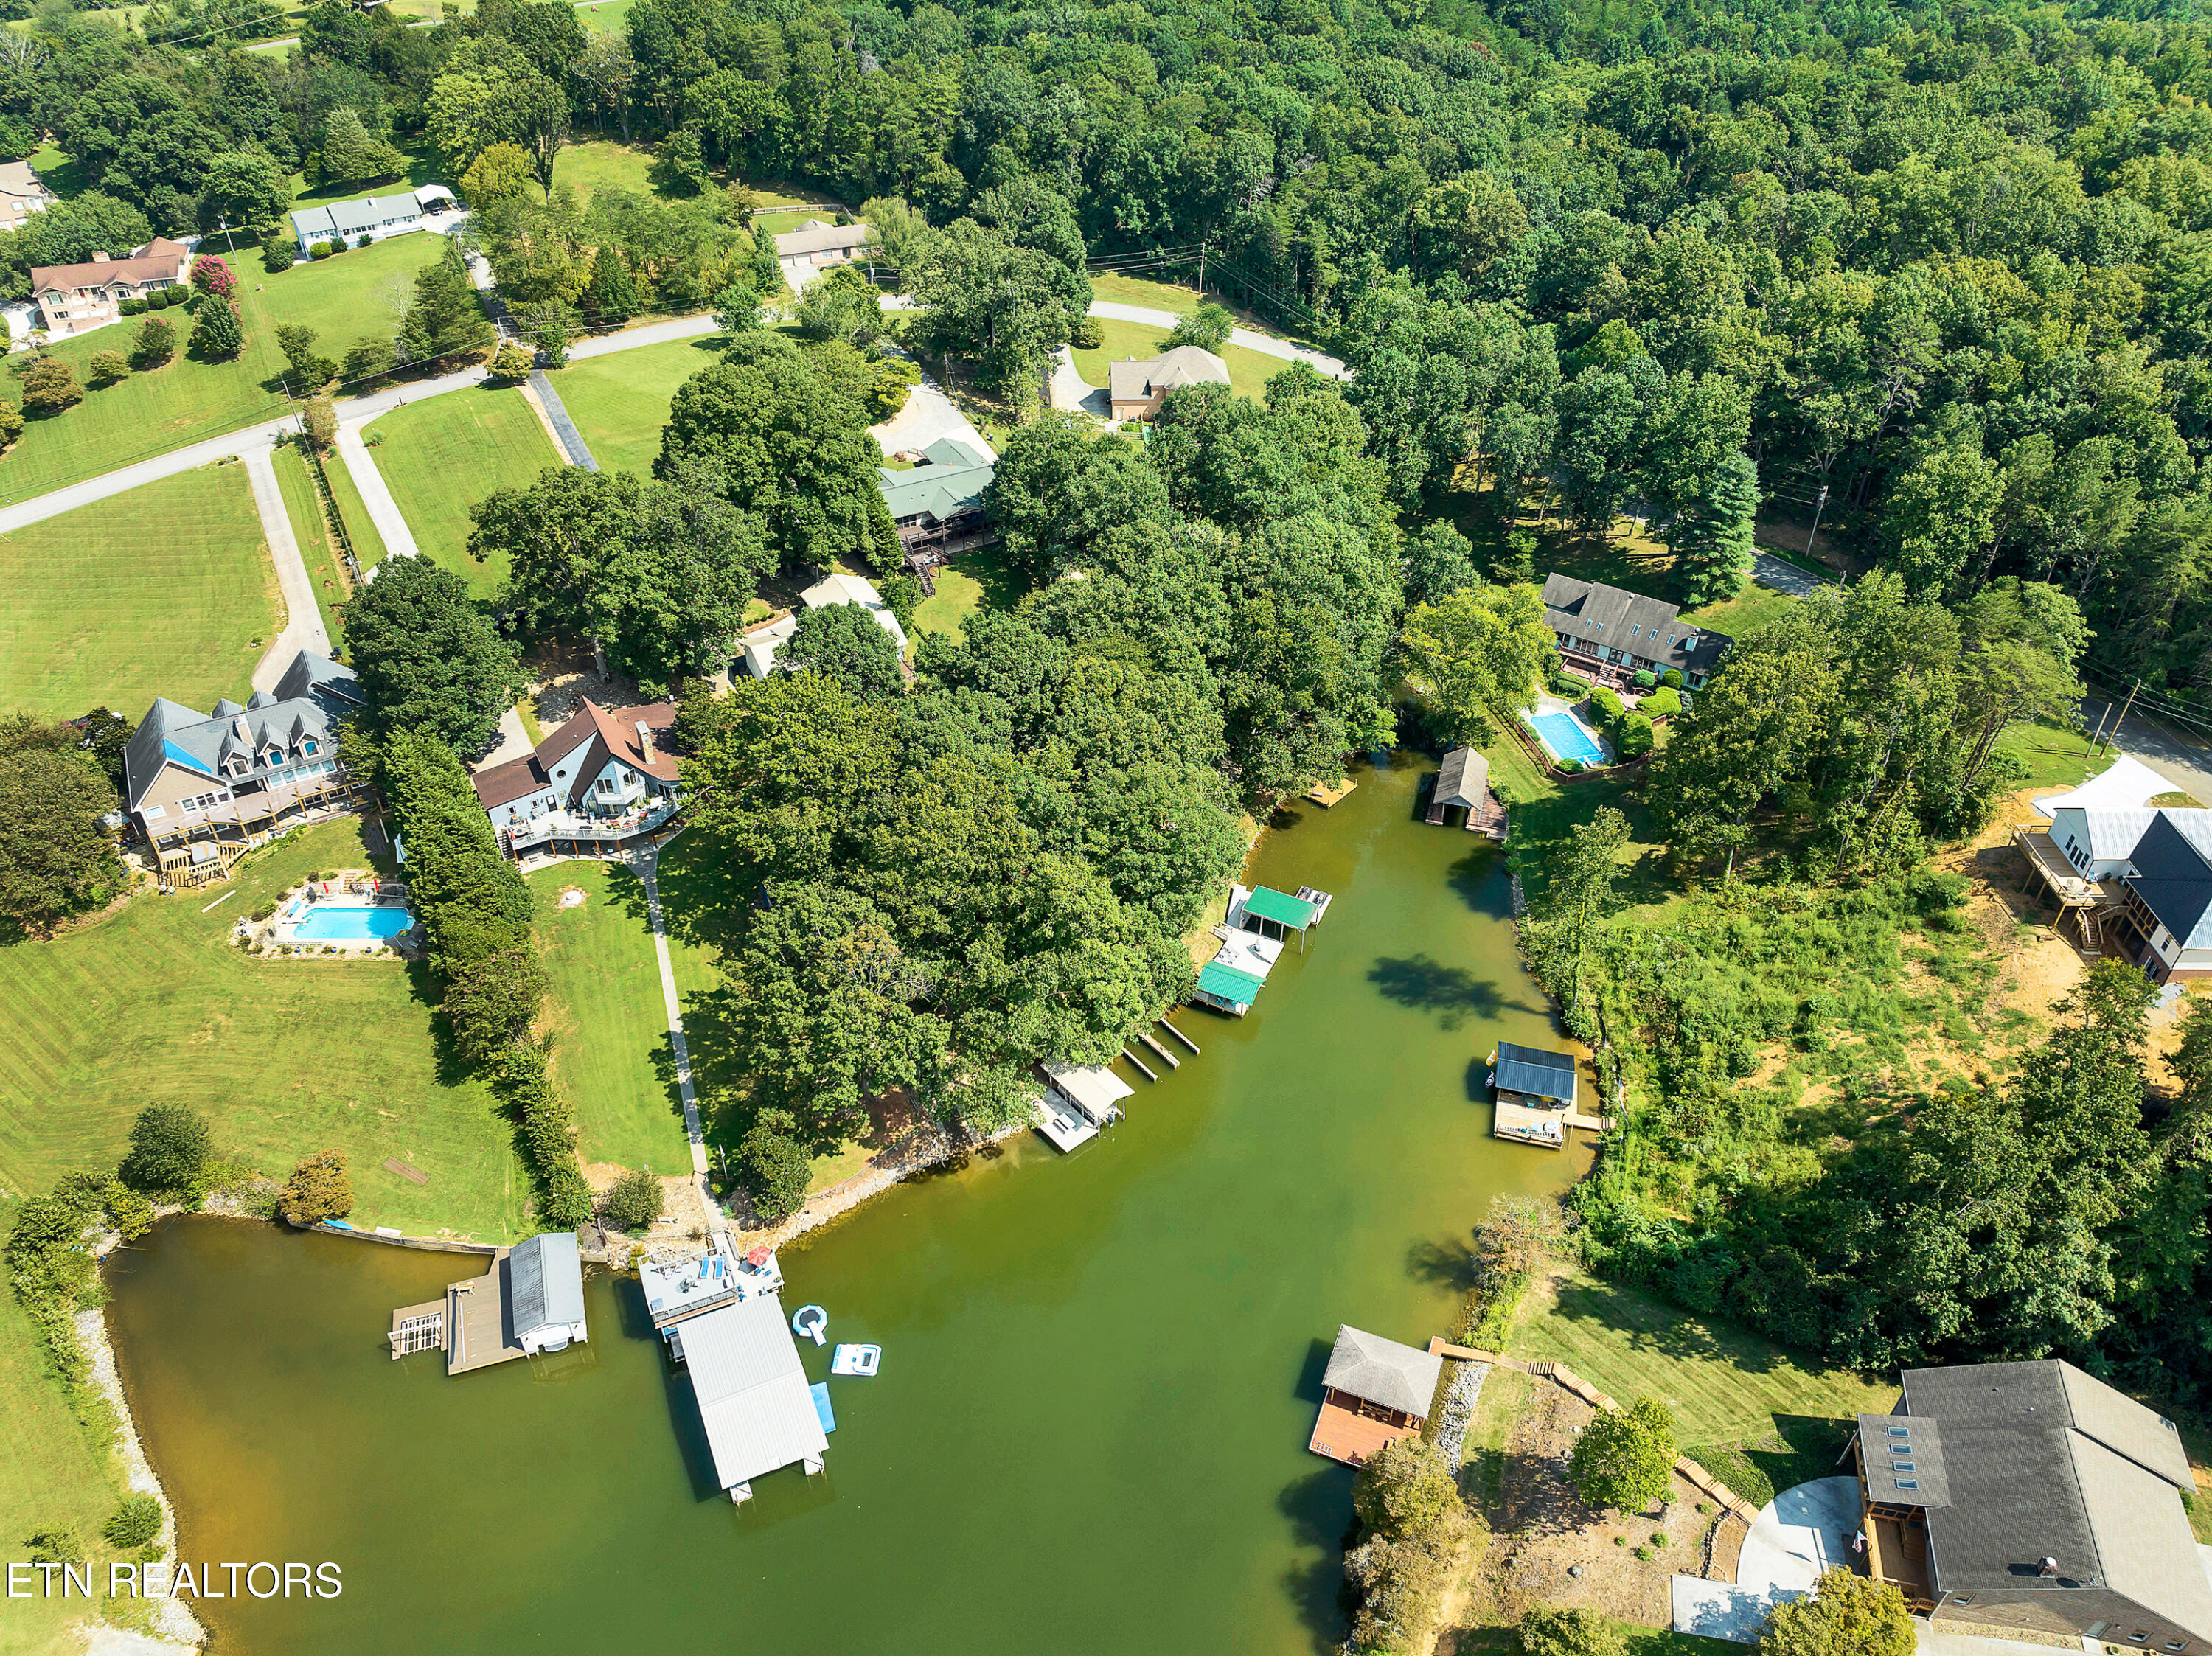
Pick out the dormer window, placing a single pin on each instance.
(240, 766)
(307, 746)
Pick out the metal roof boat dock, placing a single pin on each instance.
(752, 1392)
(1536, 1090)
(1374, 1391)
(531, 1300)
(1079, 1099)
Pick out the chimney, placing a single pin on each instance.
(99, 258)
(645, 740)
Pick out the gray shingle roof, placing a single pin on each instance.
(547, 1277)
(1134, 379)
(2041, 1460)
(1462, 778)
(313, 699)
(1382, 1371)
(1608, 616)
(1903, 1460)
(751, 1390)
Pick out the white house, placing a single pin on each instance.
(763, 645)
(599, 779)
(373, 216)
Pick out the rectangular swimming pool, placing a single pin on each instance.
(1564, 735)
(351, 924)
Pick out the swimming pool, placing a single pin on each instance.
(351, 924)
(1566, 737)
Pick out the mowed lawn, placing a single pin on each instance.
(318, 547)
(166, 590)
(442, 455)
(620, 402)
(608, 1021)
(151, 1003)
(1249, 371)
(352, 512)
(344, 298)
(1760, 1418)
(596, 164)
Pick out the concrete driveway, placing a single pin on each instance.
(928, 416)
(1800, 1535)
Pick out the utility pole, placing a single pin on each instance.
(1819, 507)
(1201, 268)
(2124, 709)
(2101, 717)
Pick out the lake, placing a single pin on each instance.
(1099, 1371)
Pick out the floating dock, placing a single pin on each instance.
(530, 1301)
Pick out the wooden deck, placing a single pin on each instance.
(477, 1332)
(1342, 1435)
(1526, 1125)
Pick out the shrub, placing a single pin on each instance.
(134, 1523)
(1606, 705)
(155, 343)
(1847, 1613)
(319, 1189)
(51, 386)
(1088, 335)
(280, 252)
(166, 297)
(131, 308)
(320, 250)
(11, 422)
(511, 361)
(108, 366)
(1672, 678)
(1626, 1457)
(1570, 767)
(218, 332)
(1644, 681)
(776, 1167)
(211, 275)
(1662, 703)
(1632, 737)
(635, 1200)
(54, 1544)
(364, 241)
(1405, 1490)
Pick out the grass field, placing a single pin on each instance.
(281, 1056)
(166, 590)
(1249, 371)
(620, 402)
(596, 163)
(610, 1026)
(974, 582)
(318, 548)
(2055, 755)
(1135, 290)
(439, 457)
(149, 414)
(604, 16)
(353, 512)
(1757, 1416)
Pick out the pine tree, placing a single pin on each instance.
(218, 332)
(612, 295)
(1713, 536)
(351, 154)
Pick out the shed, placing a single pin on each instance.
(1534, 1072)
(752, 1392)
(1462, 779)
(545, 1277)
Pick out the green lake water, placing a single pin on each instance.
(1099, 1370)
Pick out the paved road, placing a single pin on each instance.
(303, 621)
(1266, 344)
(2187, 765)
(1771, 571)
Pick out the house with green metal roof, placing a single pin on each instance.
(940, 499)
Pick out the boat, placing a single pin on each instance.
(855, 1359)
(810, 1321)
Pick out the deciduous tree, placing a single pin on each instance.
(428, 658)
(1624, 1458)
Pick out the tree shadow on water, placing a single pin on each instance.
(1427, 985)
(1319, 1507)
(1447, 1264)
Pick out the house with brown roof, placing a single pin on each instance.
(600, 782)
(1137, 386)
(73, 298)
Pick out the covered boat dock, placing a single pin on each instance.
(1537, 1092)
(1463, 784)
(751, 1390)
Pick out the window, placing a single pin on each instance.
(1898, 1431)
(153, 813)
(307, 746)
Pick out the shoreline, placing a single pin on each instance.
(173, 1619)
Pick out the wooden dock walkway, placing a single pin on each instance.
(1172, 1061)
(1177, 1034)
(1139, 1063)
(1546, 1128)
(470, 1324)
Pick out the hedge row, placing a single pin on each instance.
(475, 912)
